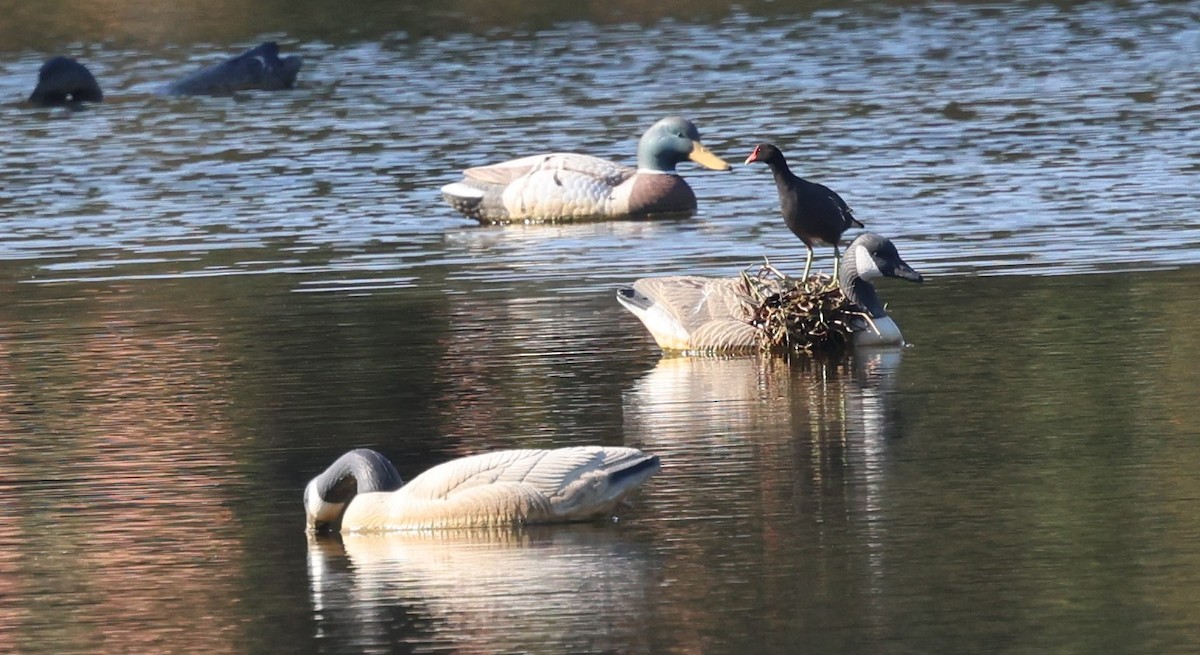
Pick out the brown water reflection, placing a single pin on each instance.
(119, 512)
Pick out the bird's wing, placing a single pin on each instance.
(840, 206)
(549, 472)
(504, 173)
(696, 301)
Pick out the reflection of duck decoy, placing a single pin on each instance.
(812, 211)
(567, 186)
(688, 313)
(532, 589)
(257, 68)
(362, 491)
(729, 398)
(62, 80)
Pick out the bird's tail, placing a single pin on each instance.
(465, 199)
(635, 472)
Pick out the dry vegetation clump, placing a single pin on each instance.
(807, 317)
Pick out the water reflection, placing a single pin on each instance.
(562, 589)
(828, 399)
(760, 427)
(786, 461)
(118, 489)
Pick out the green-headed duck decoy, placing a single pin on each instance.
(566, 186)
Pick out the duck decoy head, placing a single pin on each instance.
(62, 80)
(871, 256)
(359, 471)
(672, 141)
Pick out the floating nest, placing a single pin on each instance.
(794, 316)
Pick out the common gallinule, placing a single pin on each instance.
(812, 211)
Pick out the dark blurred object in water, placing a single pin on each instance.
(257, 68)
(62, 80)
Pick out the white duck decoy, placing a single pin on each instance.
(363, 492)
(565, 186)
(699, 314)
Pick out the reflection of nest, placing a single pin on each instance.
(810, 316)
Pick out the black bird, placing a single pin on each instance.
(812, 211)
(61, 81)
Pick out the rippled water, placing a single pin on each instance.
(208, 299)
(1027, 139)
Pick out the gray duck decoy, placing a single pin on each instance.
(688, 313)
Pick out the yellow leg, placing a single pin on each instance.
(807, 262)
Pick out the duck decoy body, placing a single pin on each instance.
(813, 212)
(567, 186)
(257, 68)
(363, 492)
(711, 315)
(62, 80)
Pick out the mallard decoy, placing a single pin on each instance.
(62, 80)
(363, 492)
(566, 186)
(811, 211)
(699, 314)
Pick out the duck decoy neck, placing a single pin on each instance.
(358, 471)
(858, 290)
(652, 159)
(655, 153)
